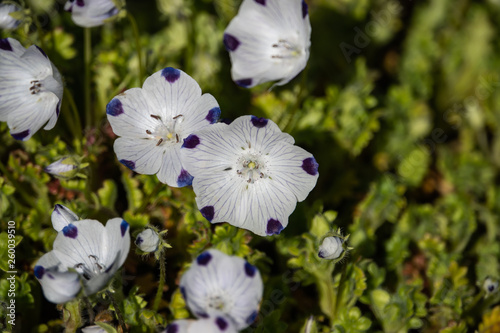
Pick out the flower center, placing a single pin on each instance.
(283, 49)
(165, 131)
(95, 268)
(251, 167)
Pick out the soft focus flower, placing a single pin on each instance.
(66, 167)
(31, 89)
(90, 13)
(248, 173)
(217, 283)
(268, 40)
(490, 285)
(7, 21)
(331, 248)
(93, 252)
(217, 324)
(62, 216)
(93, 329)
(147, 240)
(153, 122)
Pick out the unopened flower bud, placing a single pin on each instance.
(147, 240)
(331, 248)
(490, 285)
(65, 168)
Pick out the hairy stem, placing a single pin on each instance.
(118, 312)
(161, 284)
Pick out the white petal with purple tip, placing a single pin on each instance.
(217, 324)
(61, 217)
(91, 13)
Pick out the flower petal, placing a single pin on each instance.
(171, 170)
(146, 156)
(62, 216)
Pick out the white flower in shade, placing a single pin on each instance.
(217, 283)
(7, 21)
(248, 173)
(84, 251)
(268, 40)
(90, 13)
(153, 122)
(61, 217)
(217, 324)
(147, 240)
(31, 89)
(331, 248)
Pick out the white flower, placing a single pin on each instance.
(7, 21)
(90, 13)
(248, 173)
(93, 251)
(217, 324)
(331, 248)
(217, 283)
(66, 167)
(147, 240)
(31, 89)
(153, 122)
(268, 40)
(61, 217)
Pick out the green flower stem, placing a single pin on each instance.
(340, 291)
(74, 121)
(39, 31)
(135, 31)
(90, 309)
(87, 88)
(298, 102)
(118, 312)
(161, 284)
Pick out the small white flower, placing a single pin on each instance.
(61, 217)
(331, 248)
(268, 40)
(490, 285)
(93, 251)
(147, 240)
(90, 13)
(7, 21)
(217, 283)
(31, 89)
(217, 324)
(248, 174)
(65, 167)
(153, 122)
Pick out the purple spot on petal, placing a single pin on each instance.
(5, 45)
(208, 212)
(259, 122)
(213, 115)
(245, 83)
(202, 315)
(138, 241)
(51, 276)
(58, 108)
(310, 166)
(222, 323)
(172, 328)
(204, 258)
(42, 52)
(274, 227)
(191, 141)
(70, 231)
(114, 108)
(123, 227)
(184, 179)
(183, 293)
(171, 74)
(252, 317)
(21, 135)
(305, 9)
(109, 268)
(39, 271)
(261, 2)
(128, 164)
(80, 3)
(250, 269)
(230, 42)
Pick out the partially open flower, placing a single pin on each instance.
(6, 20)
(31, 89)
(91, 13)
(148, 240)
(216, 324)
(217, 283)
(62, 216)
(333, 246)
(84, 250)
(268, 40)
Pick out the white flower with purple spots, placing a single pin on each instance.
(217, 283)
(217, 324)
(31, 89)
(268, 40)
(83, 251)
(7, 21)
(91, 13)
(62, 216)
(154, 121)
(248, 174)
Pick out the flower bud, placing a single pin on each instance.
(6, 20)
(490, 285)
(147, 240)
(65, 168)
(62, 216)
(331, 248)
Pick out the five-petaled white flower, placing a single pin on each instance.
(217, 283)
(7, 21)
(217, 324)
(90, 13)
(268, 40)
(31, 89)
(248, 173)
(153, 122)
(83, 250)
